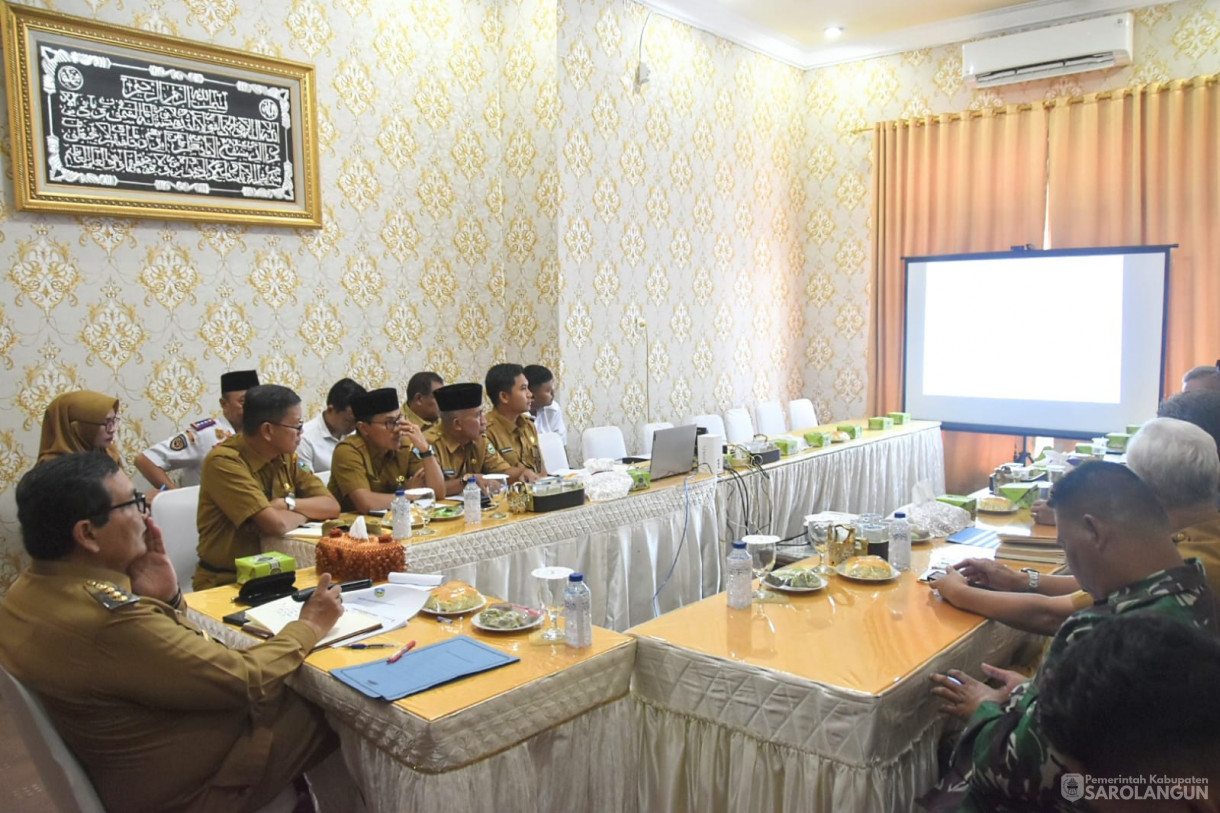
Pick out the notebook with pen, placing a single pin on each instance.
(423, 668)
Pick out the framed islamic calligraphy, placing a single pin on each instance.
(118, 122)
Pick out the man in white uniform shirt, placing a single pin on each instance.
(186, 450)
(322, 434)
(547, 416)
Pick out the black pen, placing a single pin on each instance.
(368, 646)
(359, 584)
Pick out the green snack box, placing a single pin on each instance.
(852, 430)
(881, 423)
(1084, 448)
(787, 445)
(263, 564)
(1132, 428)
(1117, 441)
(966, 503)
(1021, 494)
(640, 478)
(900, 418)
(817, 440)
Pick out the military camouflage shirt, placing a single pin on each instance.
(1002, 760)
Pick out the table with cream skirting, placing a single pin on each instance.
(873, 473)
(821, 704)
(554, 731)
(662, 542)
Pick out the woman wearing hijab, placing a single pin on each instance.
(80, 421)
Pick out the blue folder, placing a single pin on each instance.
(423, 668)
(980, 537)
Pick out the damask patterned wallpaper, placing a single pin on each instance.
(496, 189)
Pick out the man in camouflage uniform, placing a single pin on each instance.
(459, 441)
(1116, 538)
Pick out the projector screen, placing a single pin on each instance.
(1063, 343)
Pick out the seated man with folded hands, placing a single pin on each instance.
(1116, 538)
(371, 465)
(460, 442)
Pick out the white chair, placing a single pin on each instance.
(650, 429)
(769, 416)
(713, 423)
(554, 456)
(737, 426)
(324, 476)
(801, 413)
(603, 441)
(175, 511)
(63, 777)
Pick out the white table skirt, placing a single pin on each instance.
(565, 742)
(876, 475)
(721, 735)
(624, 547)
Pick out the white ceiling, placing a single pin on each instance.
(792, 30)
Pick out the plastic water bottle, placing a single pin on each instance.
(472, 502)
(578, 612)
(401, 507)
(900, 542)
(739, 577)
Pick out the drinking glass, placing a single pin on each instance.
(497, 490)
(424, 499)
(818, 533)
(762, 559)
(551, 583)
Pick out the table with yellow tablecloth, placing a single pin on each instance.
(663, 542)
(875, 472)
(552, 731)
(820, 703)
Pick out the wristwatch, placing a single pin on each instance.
(1034, 576)
(290, 500)
(422, 455)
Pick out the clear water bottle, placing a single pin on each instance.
(739, 577)
(472, 502)
(401, 507)
(900, 542)
(578, 612)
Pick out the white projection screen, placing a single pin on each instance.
(1063, 343)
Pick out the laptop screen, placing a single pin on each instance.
(673, 451)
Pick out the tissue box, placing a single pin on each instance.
(1117, 441)
(900, 418)
(1022, 494)
(787, 445)
(817, 440)
(263, 564)
(880, 423)
(852, 430)
(965, 503)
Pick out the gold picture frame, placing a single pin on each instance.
(117, 122)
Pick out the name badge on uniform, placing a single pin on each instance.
(449, 473)
(506, 450)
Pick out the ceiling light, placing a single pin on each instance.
(833, 32)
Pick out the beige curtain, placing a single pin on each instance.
(1142, 167)
(949, 185)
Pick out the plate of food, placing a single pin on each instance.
(453, 598)
(445, 511)
(920, 535)
(997, 505)
(839, 437)
(867, 569)
(507, 618)
(794, 580)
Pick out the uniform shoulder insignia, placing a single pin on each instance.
(304, 466)
(222, 434)
(110, 596)
(199, 426)
(178, 442)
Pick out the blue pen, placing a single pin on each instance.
(368, 646)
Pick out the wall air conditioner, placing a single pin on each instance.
(1087, 45)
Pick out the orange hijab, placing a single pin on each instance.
(71, 424)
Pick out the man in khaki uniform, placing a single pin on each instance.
(369, 466)
(253, 486)
(510, 427)
(421, 408)
(161, 716)
(459, 442)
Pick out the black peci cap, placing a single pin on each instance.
(238, 381)
(455, 397)
(374, 402)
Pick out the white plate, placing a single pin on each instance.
(842, 571)
(785, 588)
(453, 613)
(919, 540)
(536, 615)
(458, 510)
